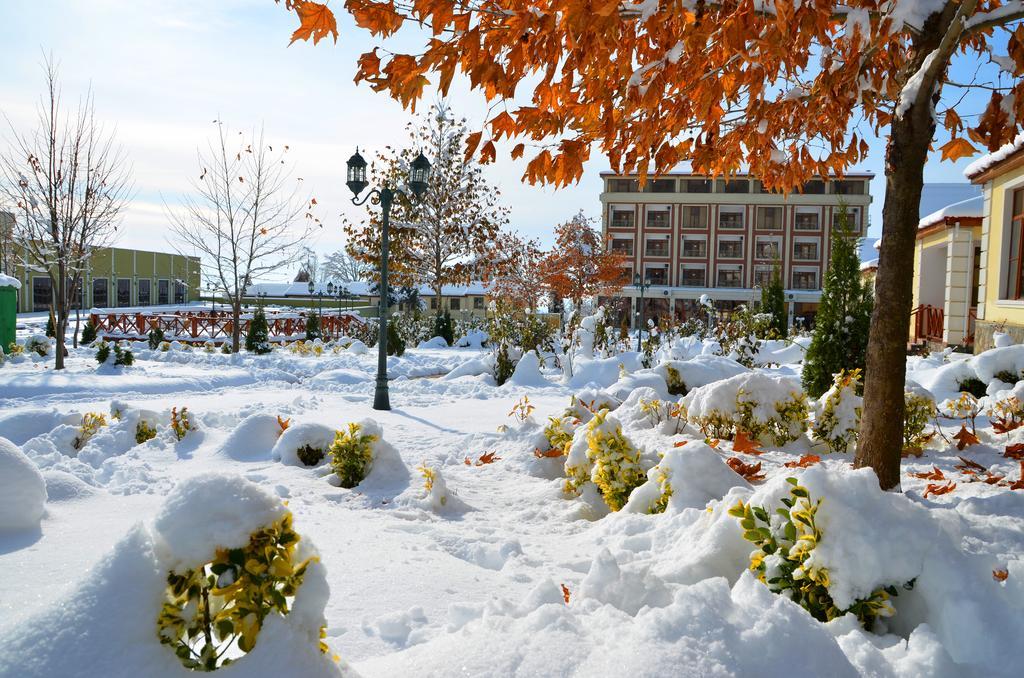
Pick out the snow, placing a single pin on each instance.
(464, 575)
(972, 207)
(8, 281)
(22, 490)
(991, 159)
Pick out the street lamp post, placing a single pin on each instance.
(418, 176)
(642, 286)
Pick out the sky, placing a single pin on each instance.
(161, 72)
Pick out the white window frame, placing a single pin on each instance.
(693, 267)
(660, 267)
(693, 238)
(816, 240)
(774, 239)
(658, 208)
(757, 217)
(805, 269)
(630, 209)
(730, 238)
(720, 268)
(707, 217)
(659, 237)
(806, 210)
(732, 209)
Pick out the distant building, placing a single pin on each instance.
(458, 299)
(691, 235)
(115, 277)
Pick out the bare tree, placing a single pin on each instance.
(343, 267)
(69, 183)
(246, 218)
(309, 265)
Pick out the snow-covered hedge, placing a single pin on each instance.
(766, 406)
(22, 490)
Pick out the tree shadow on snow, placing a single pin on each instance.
(15, 541)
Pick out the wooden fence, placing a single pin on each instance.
(201, 327)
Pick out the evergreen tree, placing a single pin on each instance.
(88, 332)
(313, 327)
(841, 326)
(773, 302)
(257, 339)
(396, 345)
(443, 327)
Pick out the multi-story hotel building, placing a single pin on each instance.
(690, 235)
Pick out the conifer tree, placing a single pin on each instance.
(773, 302)
(257, 339)
(841, 327)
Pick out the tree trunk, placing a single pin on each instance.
(60, 325)
(78, 322)
(236, 325)
(881, 432)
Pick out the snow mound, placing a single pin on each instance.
(473, 339)
(64, 486)
(645, 379)
(340, 376)
(527, 372)
(108, 621)
(696, 475)
(22, 490)
(434, 342)
(9, 281)
(299, 435)
(20, 427)
(602, 372)
(358, 348)
(388, 474)
(253, 439)
(470, 368)
(1005, 358)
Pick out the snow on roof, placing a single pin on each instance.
(972, 207)
(987, 161)
(358, 288)
(867, 249)
(8, 281)
(935, 196)
(869, 265)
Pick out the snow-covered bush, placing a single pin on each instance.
(674, 380)
(604, 456)
(39, 344)
(762, 405)
(559, 431)
(155, 337)
(181, 422)
(784, 558)
(837, 412)
(396, 345)
(352, 453)
(88, 332)
(434, 487)
(91, 423)
(313, 327)
(144, 432)
(257, 337)
(112, 354)
(304, 444)
(918, 411)
(685, 477)
(22, 489)
(740, 335)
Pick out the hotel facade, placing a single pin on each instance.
(689, 236)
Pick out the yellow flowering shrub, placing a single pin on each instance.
(351, 454)
(91, 423)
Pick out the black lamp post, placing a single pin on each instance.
(419, 174)
(642, 286)
(310, 287)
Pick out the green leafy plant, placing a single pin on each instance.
(773, 302)
(976, 387)
(559, 431)
(88, 332)
(676, 385)
(833, 425)
(783, 558)
(257, 338)
(144, 432)
(102, 352)
(443, 327)
(50, 330)
(310, 455)
(181, 422)
(503, 365)
(351, 455)
(156, 337)
(1007, 377)
(917, 413)
(313, 327)
(122, 357)
(92, 422)
(614, 464)
(221, 606)
(396, 345)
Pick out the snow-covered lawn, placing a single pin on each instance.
(511, 575)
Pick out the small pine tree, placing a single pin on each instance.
(840, 338)
(773, 302)
(156, 337)
(443, 327)
(313, 327)
(50, 331)
(396, 345)
(503, 365)
(88, 332)
(257, 340)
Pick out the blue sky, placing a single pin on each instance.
(161, 72)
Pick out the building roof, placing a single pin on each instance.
(359, 288)
(937, 195)
(972, 208)
(690, 173)
(991, 160)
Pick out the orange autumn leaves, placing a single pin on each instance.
(316, 21)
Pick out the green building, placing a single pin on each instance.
(116, 277)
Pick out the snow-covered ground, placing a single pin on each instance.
(509, 574)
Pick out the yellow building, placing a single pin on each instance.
(947, 261)
(1001, 283)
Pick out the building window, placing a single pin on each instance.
(622, 185)
(807, 219)
(661, 186)
(622, 246)
(814, 187)
(478, 303)
(144, 292)
(100, 293)
(732, 186)
(695, 247)
(124, 292)
(76, 294)
(693, 276)
(730, 217)
(695, 217)
(730, 249)
(848, 187)
(852, 219)
(42, 293)
(455, 304)
(163, 292)
(179, 292)
(730, 277)
(433, 303)
(763, 275)
(805, 280)
(657, 275)
(1015, 278)
(657, 218)
(656, 247)
(622, 219)
(805, 251)
(766, 248)
(769, 218)
(695, 185)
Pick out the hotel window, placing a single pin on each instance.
(1015, 272)
(805, 280)
(42, 293)
(100, 293)
(656, 247)
(622, 246)
(661, 186)
(730, 216)
(695, 217)
(766, 248)
(805, 250)
(622, 185)
(763, 275)
(732, 186)
(455, 304)
(807, 219)
(769, 218)
(693, 276)
(814, 187)
(848, 187)
(622, 218)
(656, 275)
(657, 218)
(144, 292)
(695, 186)
(163, 295)
(179, 292)
(433, 303)
(124, 292)
(852, 219)
(731, 248)
(695, 247)
(730, 276)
